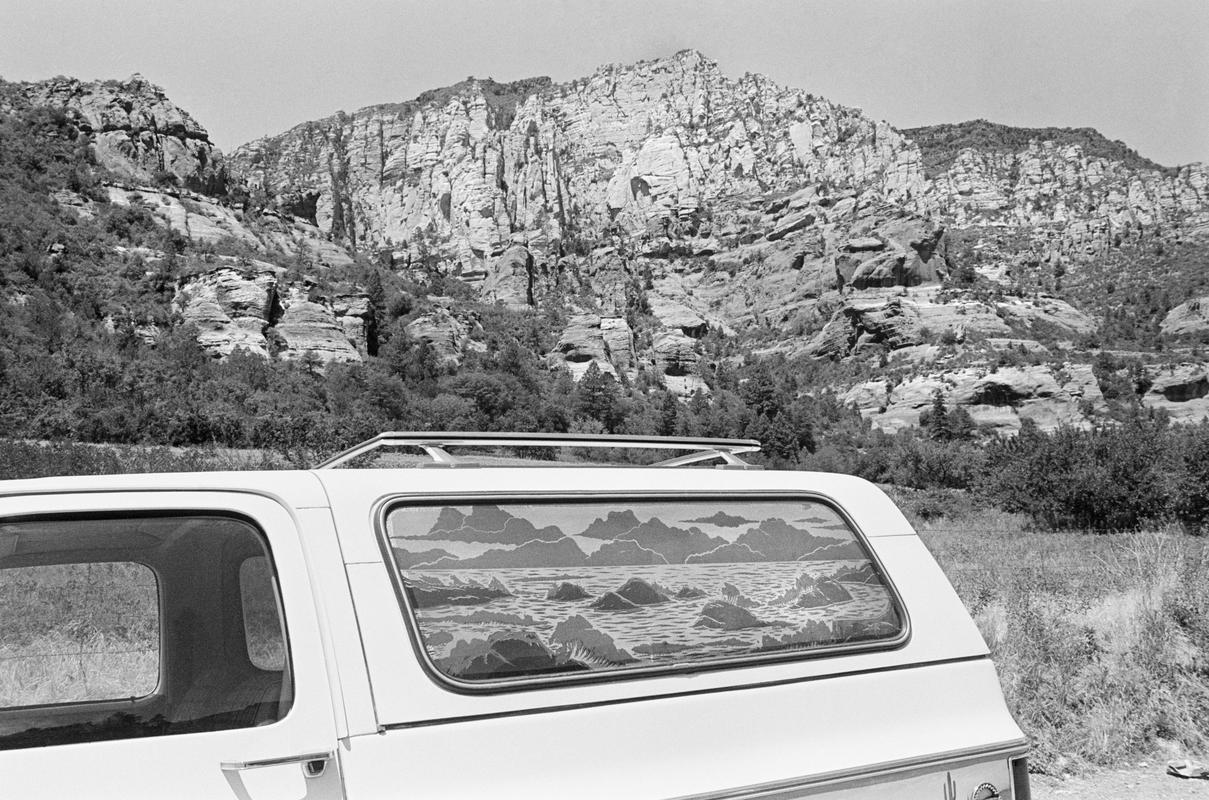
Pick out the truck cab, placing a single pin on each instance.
(456, 625)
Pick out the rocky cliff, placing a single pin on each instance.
(666, 223)
(666, 149)
(136, 132)
(153, 158)
(664, 203)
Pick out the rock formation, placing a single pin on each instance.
(250, 305)
(137, 133)
(666, 218)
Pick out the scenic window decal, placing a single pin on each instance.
(512, 590)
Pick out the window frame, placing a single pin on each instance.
(507, 685)
(288, 668)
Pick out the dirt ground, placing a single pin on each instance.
(1150, 782)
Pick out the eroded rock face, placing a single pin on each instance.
(1088, 200)
(896, 321)
(137, 132)
(231, 306)
(308, 326)
(1181, 390)
(647, 146)
(446, 333)
(619, 342)
(998, 401)
(510, 278)
(203, 220)
(720, 206)
(675, 353)
(1190, 319)
(590, 339)
(241, 304)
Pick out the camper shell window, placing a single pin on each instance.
(507, 591)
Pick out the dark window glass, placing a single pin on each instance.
(131, 627)
(510, 590)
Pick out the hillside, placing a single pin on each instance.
(941, 144)
(654, 248)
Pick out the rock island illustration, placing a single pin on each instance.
(518, 590)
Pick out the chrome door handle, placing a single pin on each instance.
(313, 764)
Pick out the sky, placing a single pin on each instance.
(1137, 70)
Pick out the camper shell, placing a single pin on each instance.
(465, 627)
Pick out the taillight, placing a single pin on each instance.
(1020, 788)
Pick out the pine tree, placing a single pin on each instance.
(937, 420)
(596, 397)
(668, 414)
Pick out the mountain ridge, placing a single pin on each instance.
(940, 141)
(661, 226)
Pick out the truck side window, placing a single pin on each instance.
(125, 627)
(77, 632)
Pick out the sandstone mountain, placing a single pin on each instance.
(779, 221)
(668, 225)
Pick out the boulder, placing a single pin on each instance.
(502, 654)
(444, 332)
(675, 315)
(230, 306)
(619, 342)
(720, 615)
(675, 353)
(611, 601)
(790, 223)
(581, 340)
(1179, 390)
(566, 591)
(1190, 319)
(308, 327)
(996, 400)
(823, 592)
(584, 643)
(641, 593)
(509, 279)
(427, 593)
(864, 243)
(355, 316)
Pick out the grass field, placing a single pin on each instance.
(1101, 641)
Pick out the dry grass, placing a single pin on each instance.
(1101, 641)
(64, 668)
(80, 632)
(77, 632)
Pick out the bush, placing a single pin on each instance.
(1109, 478)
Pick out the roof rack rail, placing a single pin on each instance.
(434, 444)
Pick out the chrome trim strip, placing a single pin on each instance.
(387, 504)
(901, 768)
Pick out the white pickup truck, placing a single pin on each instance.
(521, 629)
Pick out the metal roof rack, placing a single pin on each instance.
(434, 444)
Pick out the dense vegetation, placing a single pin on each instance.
(940, 144)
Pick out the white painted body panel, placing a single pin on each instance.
(362, 691)
(695, 744)
(189, 765)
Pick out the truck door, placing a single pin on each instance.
(160, 644)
